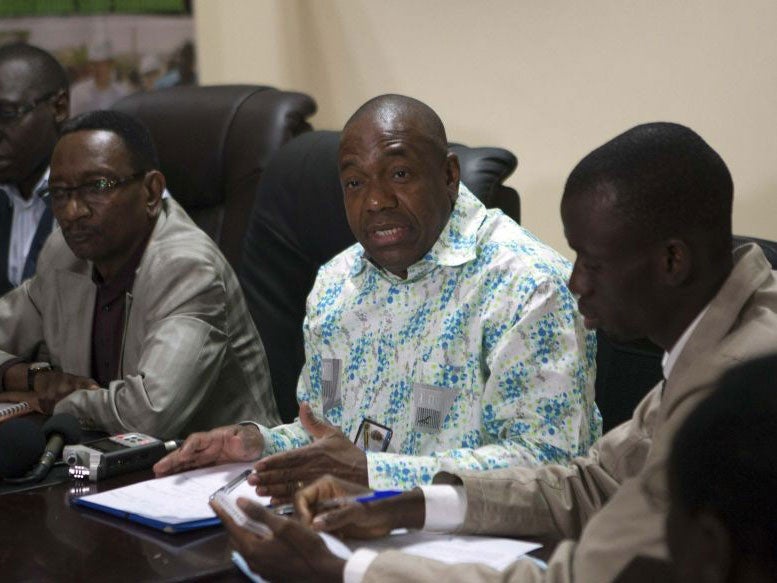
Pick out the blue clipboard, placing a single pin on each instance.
(152, 522)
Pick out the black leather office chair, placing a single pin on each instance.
(768, 247)
(625, 372)
(214, 144)
(484, 170)
(298, 223)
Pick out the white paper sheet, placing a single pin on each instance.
(179, 498)
(497, 553)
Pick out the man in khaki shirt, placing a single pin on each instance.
(649, 216)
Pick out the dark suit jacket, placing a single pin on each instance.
(41, 234)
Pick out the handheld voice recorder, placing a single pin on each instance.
(118, 454)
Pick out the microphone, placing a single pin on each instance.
(21, 443)
(59, 430)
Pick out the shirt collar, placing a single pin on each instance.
(670, 358)
(42, 184)
(13, 192)
(456, 245)
(122, 282)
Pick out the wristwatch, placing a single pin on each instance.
(32, 372)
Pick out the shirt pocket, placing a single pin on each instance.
(441, 392)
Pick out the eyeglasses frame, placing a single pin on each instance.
(23, 109)
(112, 184)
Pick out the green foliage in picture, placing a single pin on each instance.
(11, 8)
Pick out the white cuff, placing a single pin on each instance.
(356, 567)
(446, 507)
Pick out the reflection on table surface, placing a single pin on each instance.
(44, 538)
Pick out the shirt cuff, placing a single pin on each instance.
(356, 567)
(446, 507)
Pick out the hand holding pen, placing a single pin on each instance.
(369, 496)
(334, 505)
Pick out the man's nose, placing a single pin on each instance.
(380, 196)
(73, 209)
(578, 280)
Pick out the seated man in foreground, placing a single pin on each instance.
(139, 318)
(722, 521)
(447, 324)
(649, 216)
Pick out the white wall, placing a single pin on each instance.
(548, 80)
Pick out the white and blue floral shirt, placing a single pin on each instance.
(477, 360)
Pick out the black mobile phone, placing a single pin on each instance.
(373, 436)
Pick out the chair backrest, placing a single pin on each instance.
(297, 224)
(768, 247)
(484, 170)
(625, 372)
(214, 144)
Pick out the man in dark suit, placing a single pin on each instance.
(34, 102)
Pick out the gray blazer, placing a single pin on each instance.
(191, 357)
(610, 505)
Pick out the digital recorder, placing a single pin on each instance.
(118, 454)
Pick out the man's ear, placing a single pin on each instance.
(676, 262)
(452, 175)
(61, 106)
(154, 183)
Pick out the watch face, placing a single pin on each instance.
(34, 369)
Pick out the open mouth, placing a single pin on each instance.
(388, 235)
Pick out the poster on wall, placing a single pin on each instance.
(110, 48)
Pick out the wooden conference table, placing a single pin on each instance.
(44, 538)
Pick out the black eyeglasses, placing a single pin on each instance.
(10, 113)
(92, 193)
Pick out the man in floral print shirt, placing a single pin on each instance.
(446, 323)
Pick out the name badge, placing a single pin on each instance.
(330, 383)
(431, 406)
(373, 436)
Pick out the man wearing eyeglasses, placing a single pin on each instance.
(33, 105)
(139, 318)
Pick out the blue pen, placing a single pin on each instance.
(372, 496)
(288, 509)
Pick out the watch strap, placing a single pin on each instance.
(34, 369)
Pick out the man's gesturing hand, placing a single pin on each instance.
(233, 443)
(292, 553)
(282, 474)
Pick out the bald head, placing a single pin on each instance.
(399, 181)
(400, 112)
(42, 72)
